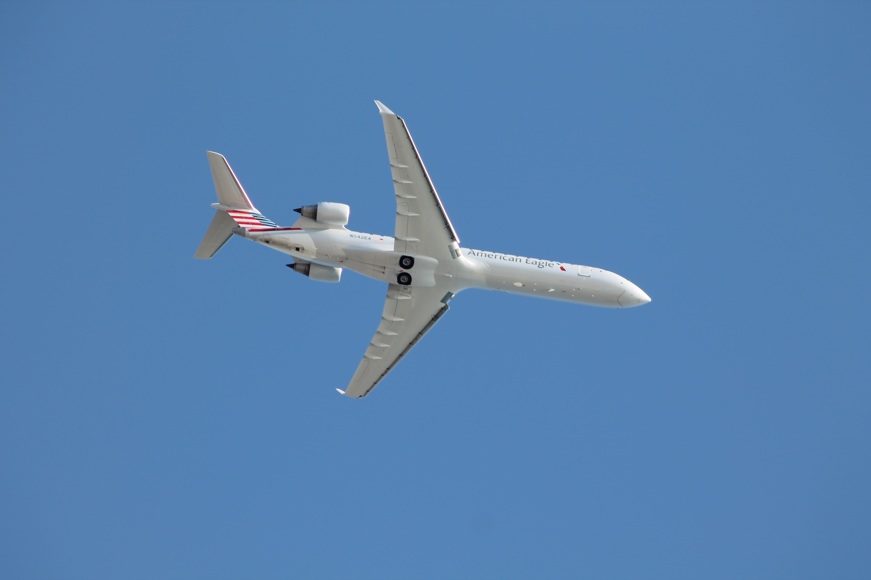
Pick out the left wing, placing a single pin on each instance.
(409, 312)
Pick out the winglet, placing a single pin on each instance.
(382, 108)
(341, 392)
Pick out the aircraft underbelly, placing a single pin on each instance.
(556, 281)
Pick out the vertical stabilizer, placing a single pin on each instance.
(231, 195)
(234, 209)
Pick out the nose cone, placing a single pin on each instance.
(632, 296)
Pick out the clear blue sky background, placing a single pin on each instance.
(162, 417)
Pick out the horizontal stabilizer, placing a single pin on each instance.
(216, 236)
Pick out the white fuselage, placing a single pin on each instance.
(373, 256)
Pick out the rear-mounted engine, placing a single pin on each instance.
(317, 272)
(327, 212)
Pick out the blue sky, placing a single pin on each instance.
(167, 417)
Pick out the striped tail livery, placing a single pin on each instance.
(233, 210)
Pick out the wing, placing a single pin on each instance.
(422, 225)
(409, 313)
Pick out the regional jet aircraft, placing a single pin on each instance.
(423, 263)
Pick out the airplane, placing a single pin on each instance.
(423, 264)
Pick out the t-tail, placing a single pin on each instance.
(233, 210)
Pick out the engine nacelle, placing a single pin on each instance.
(317, 272)
(328, 213)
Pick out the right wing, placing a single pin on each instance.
(409, 312)
(422, 225)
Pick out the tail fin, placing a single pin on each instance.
(234, 209)
(231, 195)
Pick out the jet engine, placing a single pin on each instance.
(317, 272)
(327, 212)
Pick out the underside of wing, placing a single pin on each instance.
(408, 314)
(422, 225)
